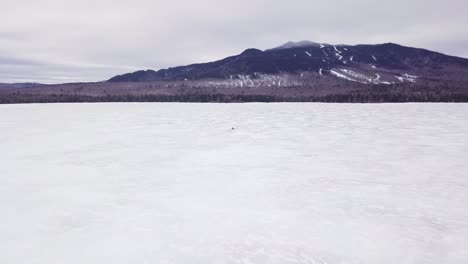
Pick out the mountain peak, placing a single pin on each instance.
(252, 52)
(299, 44)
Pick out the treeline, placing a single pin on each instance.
(369, 96)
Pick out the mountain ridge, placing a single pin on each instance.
(304, 72)
(359, 63)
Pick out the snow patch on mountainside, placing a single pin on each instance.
(357, 77)
(342, 76)
(354, 76)
(377, 78)
(249, 81)
(407, 77)
(338, 53)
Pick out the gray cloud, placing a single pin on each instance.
(70, 40)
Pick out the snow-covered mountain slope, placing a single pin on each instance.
(370, 64)
(291, 183)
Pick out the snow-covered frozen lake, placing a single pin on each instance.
(292, 183)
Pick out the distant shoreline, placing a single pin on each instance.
(197, 92)
(219, 98)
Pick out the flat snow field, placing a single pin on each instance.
(291, 183)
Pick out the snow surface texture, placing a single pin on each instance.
(234, 183)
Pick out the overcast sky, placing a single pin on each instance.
(56, 41)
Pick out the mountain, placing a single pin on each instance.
(302, 71)
(387, 63)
